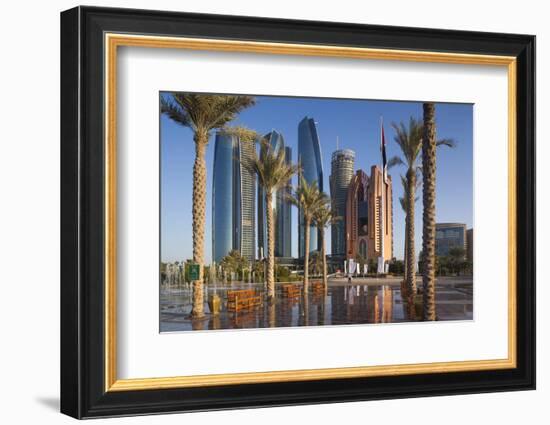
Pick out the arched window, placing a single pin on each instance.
(360, 193)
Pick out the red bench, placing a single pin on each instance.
(291, 291)
(317, 287)
(244, 299)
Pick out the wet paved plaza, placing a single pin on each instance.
(364, 301)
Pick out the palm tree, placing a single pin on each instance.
(202, 114)
(273, 173)
(308, 198)
(403, 202)
(315, 263)
(234, 262)
(428, 216)
(258, 270)
(324, 216)
(410, 142)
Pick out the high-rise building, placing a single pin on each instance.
(248, 202)
(283, 248)
(357, 217)
(311, 163)
(449, 236)
(364, 209)
(233, 198)
(341, 173)
(281, 208)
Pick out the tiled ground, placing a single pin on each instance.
(365, 301)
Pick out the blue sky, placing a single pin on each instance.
(356, 123)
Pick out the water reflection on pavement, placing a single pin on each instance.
(341, 305)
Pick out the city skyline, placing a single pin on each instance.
(356, 123)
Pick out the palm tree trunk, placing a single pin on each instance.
(306, 309)
(321, 310)
(428, 216)
(411, 255)
(271, 315)
(199, 217)
(405, 271)
(306, 254)
(324, 259)
(270, 247)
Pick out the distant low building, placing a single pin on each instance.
(449, 236)
(289, 262)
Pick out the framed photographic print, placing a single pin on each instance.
(261, 212)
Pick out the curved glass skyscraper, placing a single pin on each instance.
(233, 198)
(281, 207)
(310, 160)
(341, 172)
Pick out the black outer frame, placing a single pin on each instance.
(82, 203)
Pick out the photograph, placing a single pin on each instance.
(281, 211)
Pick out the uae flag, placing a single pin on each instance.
(383, 149)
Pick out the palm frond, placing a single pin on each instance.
(395, 161)
(409, 140)
(271, 167)
(226, 108)
(403, 203)
(204, 112)
(450, 143)
(175, 112)
(324, 215)
(308, 197)
(403, 182)
(243, 133)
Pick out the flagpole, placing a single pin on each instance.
(382, 206)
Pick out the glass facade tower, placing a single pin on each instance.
(233, 198)
(310, 160)
(449, 236)
(341, 173)
(281, 208)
